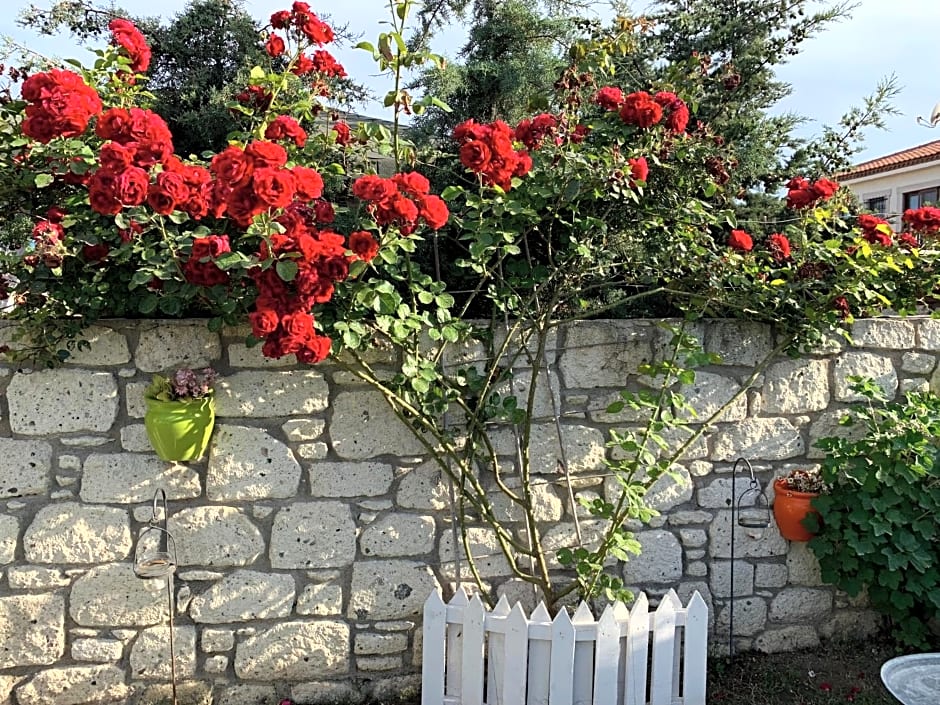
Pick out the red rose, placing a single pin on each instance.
(314, 28)
(206, 273)
(94, 253)
(343, 136)
(323, 211)
(275, 187)
(266, 154)
(308, 182)
(263, 322)
(779, 247)
(280, 19)
(373, 188)
(740, 240)
(102, 194)
(126, 36)
(639, 170)
(824, 188)
(242, 205)
(475, 155)
(325, 64)
(166, 192)
(412, 183)
(302, 66)
(60, 105)
(434, 211)
(316, 349)
(641, 110)
(677, 112)
(841, 305)
(800, 198)
(116, 157)
(469, 130)
(274, 46)
(284, 127)
(130, 186)
(609, 97)
(363, 245)
(523, 163)
(232, 166)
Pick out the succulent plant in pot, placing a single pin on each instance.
(793, 495)
(180, 413)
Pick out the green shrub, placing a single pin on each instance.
(879, 523)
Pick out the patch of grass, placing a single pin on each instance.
(834, 673)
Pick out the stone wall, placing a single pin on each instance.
(311, 535)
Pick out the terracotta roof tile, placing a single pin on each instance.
(928, 152)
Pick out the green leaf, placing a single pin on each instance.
(286, 269)
(43, 180)
(256, 73)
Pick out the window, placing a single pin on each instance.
(923, 197)
(877, 205)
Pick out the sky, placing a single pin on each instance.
(834, 71)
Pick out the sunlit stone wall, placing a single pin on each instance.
(311, 535)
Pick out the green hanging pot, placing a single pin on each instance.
(180, 430)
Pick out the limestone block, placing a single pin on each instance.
(364, 426)
(134, 439)
(215, 536)
(883, 333)
(313, 451)
(321, 599)
(332, 480)
(487, 555)
(398, 535)
(748, 543)
(928, 334)
(750, 617)
(169, 345)
(598, 410)
(97, 650)
(303, 429)
(108, 348)
(660, 560)
(313, 535)
(244, 596)
(851, 625)
(69, 532)
(248, 695)
(74, 685)
(111, 595)
(826, 425)
(697, 569)
(770, 575)
(9, 531)
(129, 478)
(156, 693)
(720, 578)
(32, 630)
(403, 687)
(739, 342)
(53, 402)
(216, 664)
(761, 439)
(35, 578)
(26, 467)
(795, 638)
(693, 538)
(796, 387)
(134, 399)
(150, 654)
(423, 487)
(918, 363)
(217, 640)
(271, 394)
(547, 506)
(798, 604)
(585, 447)
(687, 518)
(672, 439)
(389, 589)
(604, 355)
(914, 385)
(240, 355)
(6, 686)
(378, 663)
(368, 643)
(859, 364)
(247, 464)
(802, 565)
(294, 651)
(327, 693)
(708, 393)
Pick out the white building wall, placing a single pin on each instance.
(894, 184)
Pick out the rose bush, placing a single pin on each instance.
(616, 196)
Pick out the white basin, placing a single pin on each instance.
(914, 679)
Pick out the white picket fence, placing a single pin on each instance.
(627, 657)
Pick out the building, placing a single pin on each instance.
(891, 184)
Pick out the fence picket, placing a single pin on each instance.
(432, 652)
(561, 676)
(606, 659)
(495, 649)
(540, 656)
(638, 639)
(472, 657)
(516, 654)
(454, 647)
(583, 656)
(471, 685)
(696, 651)
(664, 634)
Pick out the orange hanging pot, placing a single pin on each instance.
(790, 508)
